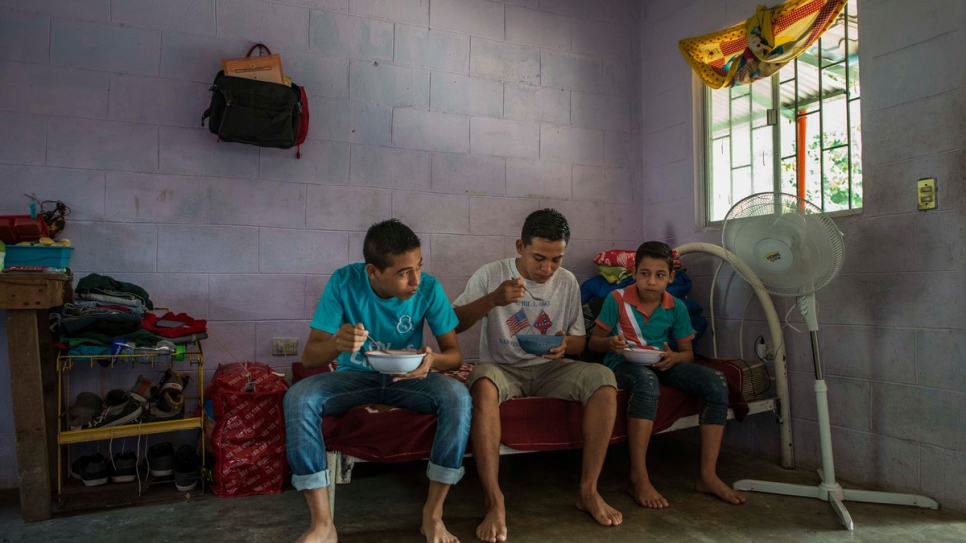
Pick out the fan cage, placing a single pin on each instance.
(815, 242)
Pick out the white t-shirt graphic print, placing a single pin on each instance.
(544, 309)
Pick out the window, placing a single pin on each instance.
(798, 131)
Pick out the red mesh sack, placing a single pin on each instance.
(245, 430)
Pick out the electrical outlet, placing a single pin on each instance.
(765, 351)
(285, 346)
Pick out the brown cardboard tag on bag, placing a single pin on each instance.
(263, 68)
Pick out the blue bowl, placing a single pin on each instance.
(536, 344)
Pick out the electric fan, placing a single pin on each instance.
(794, 249)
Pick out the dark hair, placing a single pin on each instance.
(387, 239)
(548, 224)
(654, 249)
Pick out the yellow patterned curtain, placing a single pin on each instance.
(760, 46)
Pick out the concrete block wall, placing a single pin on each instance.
(457, 116)
(891, 322)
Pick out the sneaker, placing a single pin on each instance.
(173, 380)
(169, 405)
(185, 468)
(161, 459)
(118, 408)
(143, 390)
(86, 406)
(124, 467)
(92, 470)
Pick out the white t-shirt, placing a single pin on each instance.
(545, 309)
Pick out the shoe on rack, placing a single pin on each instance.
(92, 470)
(143, 390)
(87, 405)
(169, 406)
(161, 459)
(118, 408)
(173, 380)
(185, 468)
(124, 467)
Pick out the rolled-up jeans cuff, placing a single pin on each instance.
(713, 414)
(311, 481)
(447, 476)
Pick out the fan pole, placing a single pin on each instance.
(829, 490)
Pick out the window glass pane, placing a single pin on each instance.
(741, 184)
(813, 154)
(760, 102)
(836, 179)
(763, 171)
(740, 109)
(832, 42)
(807, 81)
(741, 90)
(741, 145)
(721, 178)
(720, 113)
(788, 176)
(834, 122)
(856, 132)
(854, 75)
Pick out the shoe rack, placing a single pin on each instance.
(72, 494)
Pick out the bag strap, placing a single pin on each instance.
(259, 46)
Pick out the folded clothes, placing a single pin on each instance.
(171, 325)
(104, 285)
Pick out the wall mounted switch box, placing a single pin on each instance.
(926, 194)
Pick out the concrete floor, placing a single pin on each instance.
(383, 501)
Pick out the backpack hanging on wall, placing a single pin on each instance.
(257, 112)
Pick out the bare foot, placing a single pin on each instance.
(716, 487)
(604, 514)
(646, 495)
(323, 534)
(436, 532)
(493, 527)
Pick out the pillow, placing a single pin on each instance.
(616, 257)
(625, 259)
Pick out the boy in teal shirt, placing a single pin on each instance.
(380, 305)
(641, 315)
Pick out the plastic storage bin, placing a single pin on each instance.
(38, 255)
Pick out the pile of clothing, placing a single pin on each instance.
(615, 270)
(105, 310)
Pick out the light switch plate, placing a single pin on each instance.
(926, 194)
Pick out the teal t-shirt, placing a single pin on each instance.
(622, 314)
(392, 323)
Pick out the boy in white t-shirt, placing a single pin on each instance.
(532, 294)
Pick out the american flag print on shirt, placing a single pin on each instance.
(517, 321)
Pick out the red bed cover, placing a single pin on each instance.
(379, 433)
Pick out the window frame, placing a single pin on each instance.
(702, 103)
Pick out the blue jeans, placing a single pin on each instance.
(645, 386)
(334, 393)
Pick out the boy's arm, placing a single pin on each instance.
(669, 358)
(323, 347)
(448, 358)
(508, 292)
(600, 342)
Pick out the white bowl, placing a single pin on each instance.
(394, 362)
(644, 357)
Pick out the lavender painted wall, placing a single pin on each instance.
(457, 116)
(892, 322)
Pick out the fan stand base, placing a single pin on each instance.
(836, 495)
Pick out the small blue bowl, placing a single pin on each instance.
(536, 344)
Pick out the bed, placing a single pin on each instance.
(378, 433)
